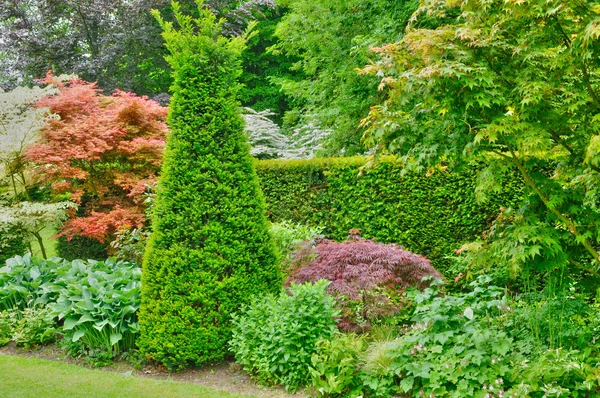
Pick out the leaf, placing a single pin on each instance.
(78, 334)
(115, 338)
(469, 313)
(70, 323)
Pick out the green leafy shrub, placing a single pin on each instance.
(452, 349)
(81, 247)
(210, 249)
(287, 237)
(26, 281)
(334, 366)
(97, 303)
(431, 213)
(33, 326)
(129, 245)
(557, 373)
(5, 328)
(275, 336)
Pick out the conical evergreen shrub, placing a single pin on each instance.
(210, 249)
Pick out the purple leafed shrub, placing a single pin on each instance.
(367, 278)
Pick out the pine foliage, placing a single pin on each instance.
(210, 250)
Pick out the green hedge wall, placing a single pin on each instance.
(431, 213)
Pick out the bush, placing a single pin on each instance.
(81, 247)
(33, 326)
(288, 236)
(274, 337)
(367, 278)
(210, 248)
(334, 366)
(431, 213)
(26, 281)
(129, 245)
(12, 242)
(95, 302)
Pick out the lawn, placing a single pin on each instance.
(32, 377)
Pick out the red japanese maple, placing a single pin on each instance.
(103, 150)
(367, 278)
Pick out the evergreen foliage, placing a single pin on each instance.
(210, 250)
(431, 213)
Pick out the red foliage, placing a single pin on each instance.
(367, 278)
(104, 150)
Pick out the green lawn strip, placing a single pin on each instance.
(33, 377)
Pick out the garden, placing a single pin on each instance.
(362, 198)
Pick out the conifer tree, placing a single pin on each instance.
(210, 249)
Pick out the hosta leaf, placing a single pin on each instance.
(78, 334)
(70, 323)
(115, 338)
(85, 318)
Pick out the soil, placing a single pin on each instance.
(226, 376)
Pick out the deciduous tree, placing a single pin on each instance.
(515, 84)
(102, 152)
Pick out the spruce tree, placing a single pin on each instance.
(210, 248)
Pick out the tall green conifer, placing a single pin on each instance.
(210, 249)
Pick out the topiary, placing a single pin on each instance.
(210, 250)
(367, 278)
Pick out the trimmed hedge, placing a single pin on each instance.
(210, 250)
(430, 213)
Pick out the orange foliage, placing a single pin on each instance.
(103, 149)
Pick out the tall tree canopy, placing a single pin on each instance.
(517, 85)
(115, 43)
(330, 39)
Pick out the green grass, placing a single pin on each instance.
(49, 244)
(33, 377)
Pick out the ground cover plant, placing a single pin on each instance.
(210, 249)
(91, 304)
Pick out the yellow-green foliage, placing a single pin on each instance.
(430, 213)
(210, 249)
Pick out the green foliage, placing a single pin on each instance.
(5, 328)
(97, 302)
(261, 68)
(430, 213)
(33, 326)
(12, 242)
(81, 247)
(129, 244)
(516, 85)
(288, 235)
(275, 336)
(93, 301)
(451, 350)
(557, 373)
(328, 40)
(334, 366)
(210, 249)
